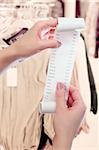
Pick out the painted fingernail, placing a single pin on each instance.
(58, 86)
(52, 31)
(61, 86)
(64, 87)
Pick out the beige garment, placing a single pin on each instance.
(91, 24)
(20, 121)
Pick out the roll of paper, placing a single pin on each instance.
(47, 106)
(61, 61)
(69, 24)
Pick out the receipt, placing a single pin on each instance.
(61, 60)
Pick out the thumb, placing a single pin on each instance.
(60, 96)
(78, 103)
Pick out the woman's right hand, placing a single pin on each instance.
(67, 117)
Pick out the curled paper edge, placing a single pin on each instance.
(47, 107)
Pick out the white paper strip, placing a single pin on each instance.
(61, 60)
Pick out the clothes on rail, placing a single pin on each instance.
(97, 39)
(90, 11)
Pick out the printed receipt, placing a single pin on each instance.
(61, 60)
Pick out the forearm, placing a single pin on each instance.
(60, 144)
(55, 147)
(7, 56)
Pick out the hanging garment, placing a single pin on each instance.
(94, 97)
(97, 39)
(78, 11)
(20, 121)
(58, 9)
(91, 25)
(89, 10)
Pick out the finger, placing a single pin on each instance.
(51, 23)
(50, 32)
(51, 43)
(51, 37)
(70, 101)
(46, 23)
(74, 93)
(78, 103)
(60, 96)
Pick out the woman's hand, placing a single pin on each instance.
(32, 43)
(67, 117)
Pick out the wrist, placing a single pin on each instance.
(61, 143)
(7, 56)
(15, 50)
(12, 50)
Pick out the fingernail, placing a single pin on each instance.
(59, 86)
(64, 84)
(59, 43)
(64, 87)
(52, 31)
